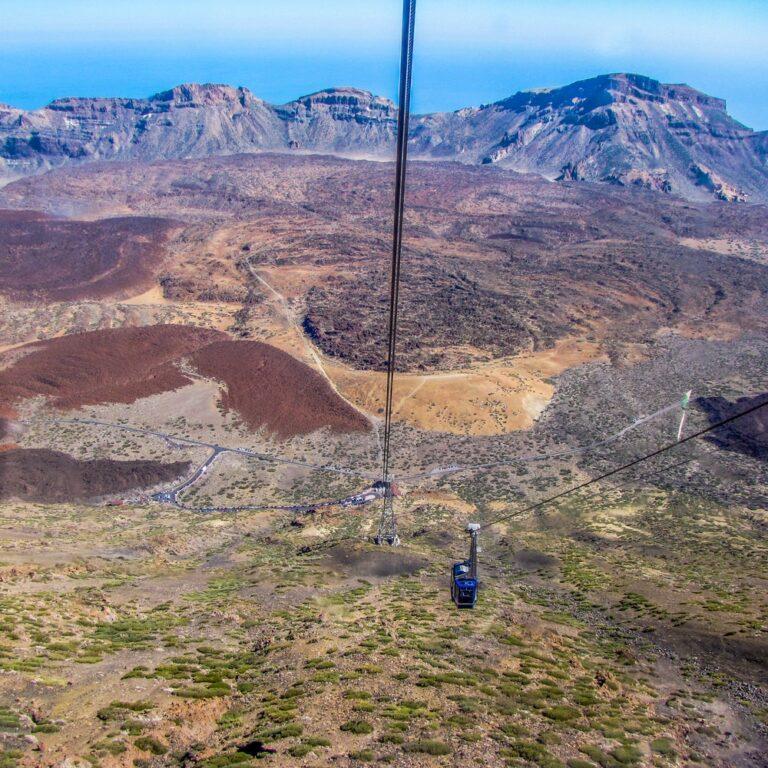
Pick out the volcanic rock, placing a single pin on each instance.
(618, 128)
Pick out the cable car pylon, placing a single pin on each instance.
(684, 408)
(387, 532)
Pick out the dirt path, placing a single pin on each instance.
(289, 316)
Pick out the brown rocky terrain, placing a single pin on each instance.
(64, 260)
(623, 292)
(270, 389)
(265, 386)
(53, 477)
(497, 263)
(113, 365)
(621, 626)
(621, 129)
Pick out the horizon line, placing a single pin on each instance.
(330, 88)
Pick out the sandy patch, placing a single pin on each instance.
(217, 523)
(751, 250)
(153, 296)
(490, 399)
(293, 282)
(443, 499)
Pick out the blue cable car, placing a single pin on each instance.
(464, 574)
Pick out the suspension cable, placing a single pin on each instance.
(626, 466)
(403, 119)
(584, 448)
(630, 481)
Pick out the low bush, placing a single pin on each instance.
(428, 747)
(358, 727)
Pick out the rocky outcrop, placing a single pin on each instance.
(709, 180)
(343, 120)
(621, 129)
(187, 121)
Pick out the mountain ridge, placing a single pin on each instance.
(619, 128)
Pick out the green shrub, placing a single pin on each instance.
(46, 728)
(663, 746)
(527, 750)
(230, 718)
(120, 709)
(562, 714)
(356, 695)
(284, 732)
(150, 744)
(228, 760)
(358, 727)
(627, 755)
(8, 759)
(317, 741)
(428, 747)
(113, 747)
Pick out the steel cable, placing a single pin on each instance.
(403, 120)
(626, 466)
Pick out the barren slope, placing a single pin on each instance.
(497, 265)
(53, 477)
(64, 260)
(117, 365)
(268, 388)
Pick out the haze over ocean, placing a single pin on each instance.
(467, 53)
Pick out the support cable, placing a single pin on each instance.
(387, 525)
(626, 466)
(538, 457)
(403, 119)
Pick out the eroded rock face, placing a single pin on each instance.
(340, 119)
(619, 128)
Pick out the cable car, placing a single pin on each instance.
(464, 574)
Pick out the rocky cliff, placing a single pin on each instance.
(620, 129)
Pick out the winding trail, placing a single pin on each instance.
(171, 496)
(218, 448)
(289, 316)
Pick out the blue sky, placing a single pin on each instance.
(468, 51)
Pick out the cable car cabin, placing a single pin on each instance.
(463, 586)
(464, 574)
